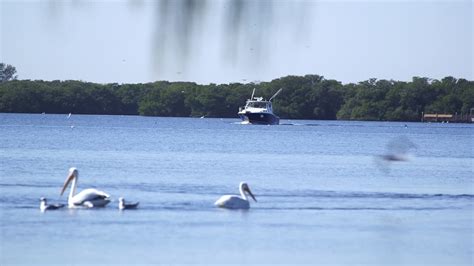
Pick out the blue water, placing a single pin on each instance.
(324, 195)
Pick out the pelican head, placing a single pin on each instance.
(73, 173)
(43, 199)
(244, 188)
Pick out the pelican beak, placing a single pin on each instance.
(251, 194)
(66, 183)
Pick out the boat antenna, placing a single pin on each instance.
(253, 92)
(274, 95)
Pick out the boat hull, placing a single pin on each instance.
(260, 118)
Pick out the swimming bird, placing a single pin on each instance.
(234, 201)
(90, 197)
(123, 205)
(44, 205)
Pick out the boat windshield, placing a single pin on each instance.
(257, 104)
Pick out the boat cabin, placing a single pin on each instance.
(259, 103)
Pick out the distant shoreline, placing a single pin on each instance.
(238, 119)
(309, 97)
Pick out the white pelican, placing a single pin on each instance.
(90, 197)
(44, 205)
(234, 201)
(123, 205)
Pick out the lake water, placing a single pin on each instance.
(324, 196)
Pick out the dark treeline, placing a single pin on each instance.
(303, 97)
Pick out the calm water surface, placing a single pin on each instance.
(324, 196)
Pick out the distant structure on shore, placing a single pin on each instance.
(447, 118)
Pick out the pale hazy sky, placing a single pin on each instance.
(221, 41)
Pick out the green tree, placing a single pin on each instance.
(7, 72)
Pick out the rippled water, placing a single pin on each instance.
(324, 194)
